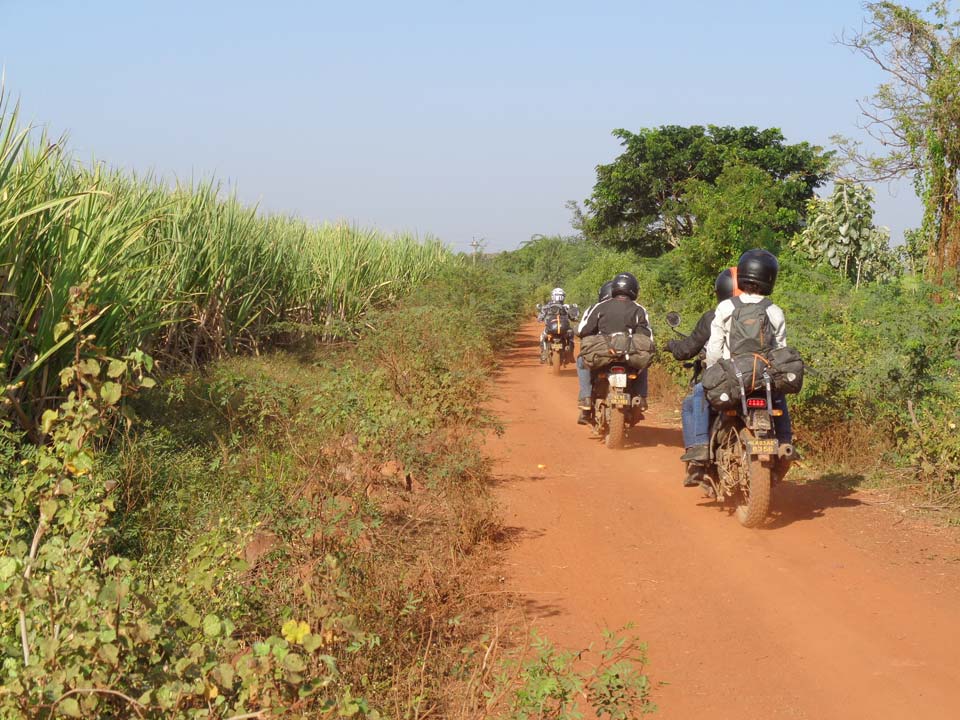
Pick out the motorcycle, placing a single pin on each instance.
(559, 339)
(616, 402)
(743, 448)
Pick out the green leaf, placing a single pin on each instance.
(69, 707)
(89, 366)
(48, 508)
(47, 420)
(147, 382)
(312, 642)
(8, 567)
(190, 616)
(110, 653)
(60, 329)
(111, 393)
(211, 626)
(116, 368)
(224, 673)
(294, 663)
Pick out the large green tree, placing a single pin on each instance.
(915, 116)
(640, 199)
(743, 208)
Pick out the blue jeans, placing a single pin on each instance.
(695, 415)
(583, 377)
(586, 384)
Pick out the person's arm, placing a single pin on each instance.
(690, 346)
(642, 322)
(718, 333)
(589, 324)
(778, 323)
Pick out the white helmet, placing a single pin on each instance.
(557, 295)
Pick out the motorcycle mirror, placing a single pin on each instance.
(673, 319)
(539, 306)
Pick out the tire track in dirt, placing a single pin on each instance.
(837, 609)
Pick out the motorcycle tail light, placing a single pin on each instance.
(617, 370)
(756, 403)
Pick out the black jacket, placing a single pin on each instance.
(616, 315)
(690, 346)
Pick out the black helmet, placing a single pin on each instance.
(606, 291)
(724, 285)
(759, 267)
(626, 284)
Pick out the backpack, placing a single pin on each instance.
(750, 328)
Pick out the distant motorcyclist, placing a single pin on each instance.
(583, 372)
(756, 276)
(552, 309)
(618, 314)
(696, 424)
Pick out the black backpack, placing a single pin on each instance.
(750, 330)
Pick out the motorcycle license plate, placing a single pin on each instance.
(618, 380)
(618, 399)
(557, 346)
(764, 446)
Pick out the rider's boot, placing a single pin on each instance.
(696, 453)
(694, 474)
(585, 407)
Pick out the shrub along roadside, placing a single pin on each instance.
(282, 534)
(293, 535)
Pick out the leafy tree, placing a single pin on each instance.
(841, 233)
(742, 209)
(640, 199)
(915, 115)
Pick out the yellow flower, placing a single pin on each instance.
(294, 632)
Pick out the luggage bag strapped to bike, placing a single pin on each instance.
(558, 326)
(722, 386)
(598, 351)
(786, 370)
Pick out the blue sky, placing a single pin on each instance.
(451, 118)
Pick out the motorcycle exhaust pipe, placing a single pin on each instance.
(786, 451)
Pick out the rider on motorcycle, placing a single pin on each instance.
(696, 422)
(583, 372)
(618, 314)
(556, 304)
(756, 276)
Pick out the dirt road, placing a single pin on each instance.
(842, 607)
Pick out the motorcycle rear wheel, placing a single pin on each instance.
(555, 362)
(754, 505)
(616, 430)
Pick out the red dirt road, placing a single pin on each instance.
(842, 607)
